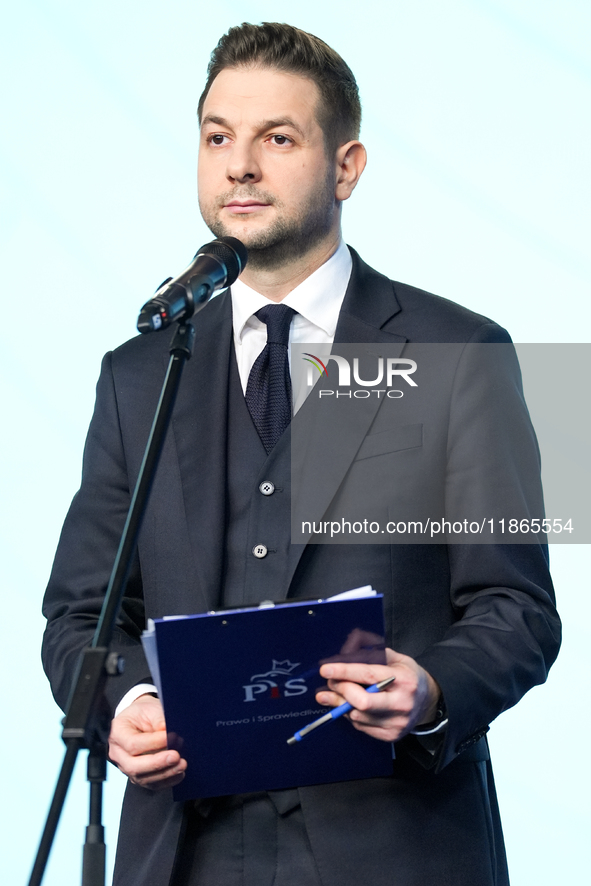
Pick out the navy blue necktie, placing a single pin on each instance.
(268, 392)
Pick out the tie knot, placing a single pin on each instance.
(277, 319)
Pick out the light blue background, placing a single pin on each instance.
(477, 124)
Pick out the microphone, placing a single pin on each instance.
(217, 264)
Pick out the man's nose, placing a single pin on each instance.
(243, 165)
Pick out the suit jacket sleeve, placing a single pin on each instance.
(507, 632)
(85, 557)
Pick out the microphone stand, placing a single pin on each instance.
(87, 718)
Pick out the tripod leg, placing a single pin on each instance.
(54, 813)
(93, 856)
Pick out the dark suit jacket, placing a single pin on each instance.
(479, 618)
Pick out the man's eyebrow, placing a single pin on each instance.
(211, 118)
(263, 126)
(279, 122)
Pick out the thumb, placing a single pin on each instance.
(148, 714)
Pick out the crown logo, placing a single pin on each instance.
(284, 667)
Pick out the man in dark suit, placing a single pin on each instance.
(470, 627)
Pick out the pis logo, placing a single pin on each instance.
(275, 682)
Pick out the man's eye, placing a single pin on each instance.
(281, 139)
(216, 139)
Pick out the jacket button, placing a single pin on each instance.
(259, 551)
(267, 488)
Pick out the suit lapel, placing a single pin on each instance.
(327, 433)
(200, 430)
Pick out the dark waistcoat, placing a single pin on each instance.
(258, 528)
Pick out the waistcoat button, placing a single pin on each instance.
(259, 551)
(267, 488)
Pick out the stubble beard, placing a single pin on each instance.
(286, 240)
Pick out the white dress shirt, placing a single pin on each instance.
(317, 301)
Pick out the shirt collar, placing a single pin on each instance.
(317, 299)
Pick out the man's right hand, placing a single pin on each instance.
(137, 744)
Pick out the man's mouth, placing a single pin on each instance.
(241, 207)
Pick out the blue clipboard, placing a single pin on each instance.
(237, 684)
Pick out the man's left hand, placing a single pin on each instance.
(410, 701)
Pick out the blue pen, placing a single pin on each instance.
(336, 712)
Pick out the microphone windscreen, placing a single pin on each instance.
(231, 252)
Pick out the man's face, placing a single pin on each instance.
(263, 172)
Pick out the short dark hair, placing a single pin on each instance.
(289, 49)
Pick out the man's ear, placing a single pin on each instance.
(350, 163)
